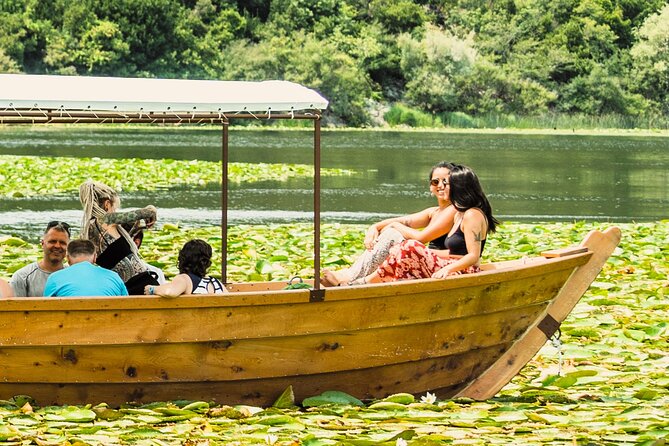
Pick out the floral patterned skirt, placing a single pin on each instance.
(411, 259)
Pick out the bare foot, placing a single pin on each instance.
(329, 279)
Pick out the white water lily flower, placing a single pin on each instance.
(401, 442)
(428, 398)
(270, 439)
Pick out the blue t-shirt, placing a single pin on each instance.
(84, 279)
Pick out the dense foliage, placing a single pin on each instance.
(440, 61)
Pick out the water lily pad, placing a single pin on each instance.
(387, 405)
(401, 398)
(286, 399)
(646, 394)
(71, 413)
(331, 397)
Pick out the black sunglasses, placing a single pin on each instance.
(436, 181)
(59, 225)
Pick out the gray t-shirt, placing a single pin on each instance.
(29, 281)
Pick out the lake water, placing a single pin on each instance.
(527, 177)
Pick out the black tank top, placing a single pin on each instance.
(456, 243)
(438, 243)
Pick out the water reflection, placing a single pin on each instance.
(527, 177)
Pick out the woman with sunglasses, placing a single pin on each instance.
(464, 242)
(428, 226)
(102, 224)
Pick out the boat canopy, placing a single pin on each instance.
(139, 95)
(45, 99)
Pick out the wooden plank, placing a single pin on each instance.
(563, 252)
(223, 323)
(499, 374)
(375, 382)
(265, 357)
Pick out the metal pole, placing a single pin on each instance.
(317, 203)
(224, 204)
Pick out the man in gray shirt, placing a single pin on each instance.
(29, 281)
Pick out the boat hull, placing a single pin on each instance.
(444, 336)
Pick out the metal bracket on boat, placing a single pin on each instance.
(316, 295)
(548, 326)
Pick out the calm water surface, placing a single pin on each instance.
(527, 177)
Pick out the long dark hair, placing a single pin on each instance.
(195, 258)
(466, 193)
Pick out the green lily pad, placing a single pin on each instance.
(286, 399)
(331, 397)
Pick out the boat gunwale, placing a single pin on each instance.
(533, 267)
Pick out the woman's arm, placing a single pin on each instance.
(474, 227)
(181, 284)
(417, 220)
(148, 214)
(436, 226)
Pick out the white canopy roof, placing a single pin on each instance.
(24, 91)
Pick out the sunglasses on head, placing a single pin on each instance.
(59, 225)
(436, 181)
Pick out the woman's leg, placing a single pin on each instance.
(368, 261)
(408, 260)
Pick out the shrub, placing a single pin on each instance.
(400, 114)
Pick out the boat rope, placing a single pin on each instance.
(557, 343)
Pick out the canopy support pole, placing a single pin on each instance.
(224, 202)
(317, 203)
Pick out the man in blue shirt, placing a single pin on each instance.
(83, 278)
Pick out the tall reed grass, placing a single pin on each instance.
(402, 115)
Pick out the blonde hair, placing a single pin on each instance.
(93, 195)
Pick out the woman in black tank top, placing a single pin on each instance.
(464, 243)
(429, 225)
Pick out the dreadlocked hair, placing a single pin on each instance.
(93, 195)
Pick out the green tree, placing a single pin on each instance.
(82, 43)
(149, 28)
(289, 16)
(430, 66)
(489, 89)
(7, 64)
(311, 62)
(599, 93)
(397, 16)
(12, 36)
(650, 57)
(24, 34)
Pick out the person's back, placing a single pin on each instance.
(83, 278)
(194, 262)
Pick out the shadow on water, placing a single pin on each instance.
(527, 177)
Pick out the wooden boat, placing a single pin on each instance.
(463, 336)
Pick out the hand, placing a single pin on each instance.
(150, 222)
(442, 273)
(371, 236)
